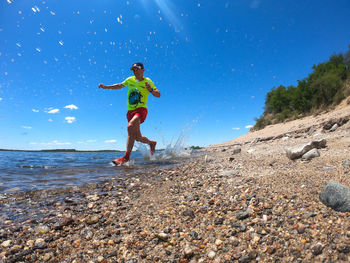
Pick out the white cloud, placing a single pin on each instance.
(70, 119)
(56, 142)
(71, 107)
(26, 127)
(236, 129)
(91, 141)
(50, 120)
(111, 141)
(249, 126)
(54, 111)
(0, 99)
(35, 110)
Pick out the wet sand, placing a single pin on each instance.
(252, 206)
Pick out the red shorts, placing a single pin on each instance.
(142, 112)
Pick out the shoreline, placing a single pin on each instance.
(223, 206)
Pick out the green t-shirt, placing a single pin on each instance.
(137, 92)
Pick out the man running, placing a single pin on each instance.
(139, 87)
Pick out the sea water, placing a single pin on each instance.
(24, 171)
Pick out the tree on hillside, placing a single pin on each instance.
(277, 100)
(326, 81)
(301, 97)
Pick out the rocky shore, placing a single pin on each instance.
(241, 201)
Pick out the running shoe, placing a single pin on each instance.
(121, 160)
(153, 147)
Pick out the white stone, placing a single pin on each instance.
(39, 240)
(218, 242)
(334, 127)
(6, 243)
(30, 243)
(42, 229)
(211, 254)
(311, 154)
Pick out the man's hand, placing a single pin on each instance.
(155, 92)
(102, 86)
(148, 87)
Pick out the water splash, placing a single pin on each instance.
(176, 150)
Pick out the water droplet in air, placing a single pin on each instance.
(35, 9)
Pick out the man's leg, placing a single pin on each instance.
(132, 134)
(134, 129)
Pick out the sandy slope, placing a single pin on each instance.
(296, 126)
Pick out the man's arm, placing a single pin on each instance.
(154, 91)
(114, 86)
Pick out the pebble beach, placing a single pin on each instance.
(240, 201)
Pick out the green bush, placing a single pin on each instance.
(260, 123)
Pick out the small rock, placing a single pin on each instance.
(93, 197)
(189, 251)
(311, 154)
(301, 229)
(317, 249)
(328, 125)
(194, 235)
(208, 159)
(92, 220)
(219, 221)
(218, 242)
(334, 127)
(76, 243)
(39, 240)
(346, 163)
(244, 259)
(328, 168)
(48, 256)
(211, 254)
(30, 243)
(242, 215)
(40, 243)
(236, 149)
(343, 248)
(336, 196)
(189, 213)
(42, 229)
(6, 243)
(63, 222)
(163, 235)
(229, 173)
(112, 254)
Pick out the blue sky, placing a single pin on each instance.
(213, 61)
